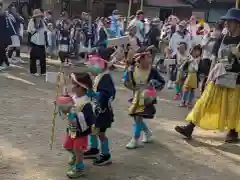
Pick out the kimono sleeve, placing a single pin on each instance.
(106, 90)
(88, 114)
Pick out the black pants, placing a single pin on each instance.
(173, 72)
(16, 49)
(63, 56)
(3, 56)
(37, 53)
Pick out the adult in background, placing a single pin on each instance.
(5, 37)
(103, 50)
(48, 17)
(38, 40)
(219, 107)
(16, 26)
(138, 23)
(153, 35)
(114, 24)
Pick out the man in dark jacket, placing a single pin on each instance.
(5, 37)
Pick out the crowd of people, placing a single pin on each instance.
(195, 54)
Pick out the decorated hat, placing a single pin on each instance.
(232, 14)
(37, 13)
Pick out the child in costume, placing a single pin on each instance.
(102, 96)
(141, 78)
(80, 117)
(191, 81)
(181, 58)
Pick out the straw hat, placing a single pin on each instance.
(37, 13)
(232, 14)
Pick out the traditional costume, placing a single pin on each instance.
(181, 58)
(219, 107)
(78, 112)
(102, 96)
(190, 82)
(137, 80)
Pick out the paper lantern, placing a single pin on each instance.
(64, 103)
(96, 64)
(150, 95)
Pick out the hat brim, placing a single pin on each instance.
(225, 18)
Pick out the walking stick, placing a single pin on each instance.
(58, 86)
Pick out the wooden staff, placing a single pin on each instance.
(237, 4)
(55, 111)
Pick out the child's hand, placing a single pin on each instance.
(95, 130)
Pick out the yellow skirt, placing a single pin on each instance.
(191, 81)
(217, 109)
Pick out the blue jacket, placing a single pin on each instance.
(5, 33)
(106, 94)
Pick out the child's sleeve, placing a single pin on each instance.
(88, 115)
(106, 90)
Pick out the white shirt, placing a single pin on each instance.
(207, 47)
(140, 30)
(176, 39)
(38, 35)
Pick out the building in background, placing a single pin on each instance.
(164, 8)
(211, 10)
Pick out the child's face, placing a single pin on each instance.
(196, 53)
(50, 27)
(182, 49)
(146, 62)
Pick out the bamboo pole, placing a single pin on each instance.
(141, 6)
(237, 4)
(129, 9)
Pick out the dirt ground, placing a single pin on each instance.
(25, 121)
